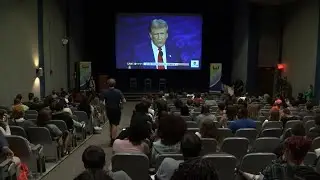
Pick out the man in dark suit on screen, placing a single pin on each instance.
(157, 52)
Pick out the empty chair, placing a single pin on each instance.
(310, 159)
(192, 124)
(224, 133)
(237, 146)
(265, 144)
(133, 83)
(41, 135)
(83, 117)
(209, 146)
(254, 163)
(147, 84)
(187, 118)
(249, 133)
(272, 124)
(307, 118)
(18, 131)
(272, 132)
(193, 130)
(316, 143)
(161, 157)
(309, 124)
(291, 123)
(258, 125)
(20, 147)
(31, 116)
(135, 165)
(162, 84)
(31, 112)
(262, 118)
(224, 164)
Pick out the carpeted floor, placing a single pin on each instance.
(72, 165)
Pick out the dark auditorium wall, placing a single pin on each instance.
(55, 54)
(300, 43)
(27, 43)
(18, 49)
(240, 40)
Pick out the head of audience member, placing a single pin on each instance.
(17, 112)
(253, 110)
(171, 129)
(295, 149)
(44, 117)
(178, 103)
(205, 109)
(141, 108)
(48, 101)
(197, 104)
(231, 112)
(189, 102)
(54, 92)
(147, 102)
(274, 115)
(221, 106)
(30, 97)
(286, 112)
(139, 130)
(190, 146)
(60, 105)
(19, 96)
(111, 83)
(184, 111)
(93, 159)
(208, 129)
(278, 103)
(16, 102)
(309, 106)
(196, 169)
(2, 114)
(36, 100)
(242, 113)
(298, 130)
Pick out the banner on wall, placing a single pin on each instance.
(215, 77)
(84, 74)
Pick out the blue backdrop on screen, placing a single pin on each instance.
(181, 50)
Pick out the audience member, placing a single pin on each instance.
(205, 114)
(170, 131)
(242, 122)
(315, 131)
(94, 160)
(184, 111)
(18, 119)
(208, 129)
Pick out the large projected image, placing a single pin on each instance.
(158, 41)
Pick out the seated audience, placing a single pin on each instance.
(208, 129)
(205, 114)
(221, 109)
(190, 149)
(18, 119)
(59, 114)
(291, 166)
(17, 102)
(4, 127)
(315, 131)
(6, 152)
(309, 111)
(274, 116)
(286, 116)
(170, 131)
(94, 160)
(243, 121)
(138, 132)
(184, 111)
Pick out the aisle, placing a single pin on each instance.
(72, 165)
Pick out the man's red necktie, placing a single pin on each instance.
(160, 59)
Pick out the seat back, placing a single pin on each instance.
(209, 146)
(265, 144)
(236, 146)
(18, 131)
(254, 163)
(135, 165)
(224, 164)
